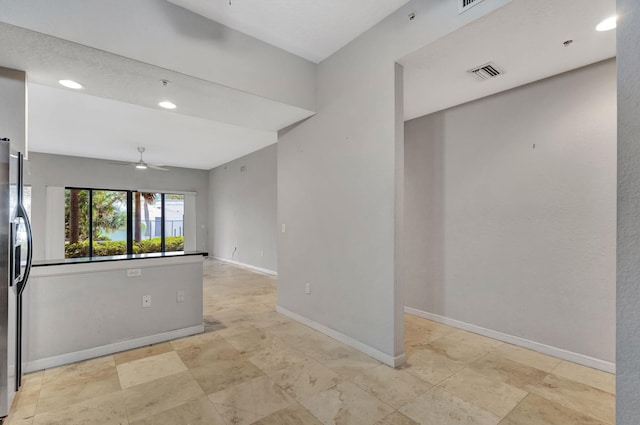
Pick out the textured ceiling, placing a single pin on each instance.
(311, 29)
(48, 59)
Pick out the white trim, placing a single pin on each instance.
(189, 224)
(167, 191)
(515, 340)
(76, 356)
(248, 266)
(54, 223)
(366, 349)
(137, 189)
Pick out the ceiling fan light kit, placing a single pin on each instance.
(141, 164)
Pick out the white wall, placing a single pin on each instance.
(628, 306)
(178, 40)
(58, 170)
(242, 210)
(512, 238)
(338, 186)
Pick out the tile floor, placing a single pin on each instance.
(255, 366)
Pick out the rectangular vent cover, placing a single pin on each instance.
(486, 71)
(464, 5)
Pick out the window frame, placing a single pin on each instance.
(130, 204)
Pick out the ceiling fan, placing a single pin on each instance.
(141, 164)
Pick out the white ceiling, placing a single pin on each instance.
(48, 59)
(72, 123)
(215, 123)
(525, 38)
(311, 29)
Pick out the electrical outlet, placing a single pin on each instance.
(134, 273)
(180, 296)
(307, 288)
(262, 253)
(284, 228)
(146, 301)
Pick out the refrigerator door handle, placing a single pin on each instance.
(27, 224)
(12, 254)
(20, 286)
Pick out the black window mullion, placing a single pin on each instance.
(90, 208)
(162, 224)
(129, 222)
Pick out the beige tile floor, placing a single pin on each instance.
(255, 366)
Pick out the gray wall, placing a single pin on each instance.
(338, 187)
(511, 238)
(58, 170)
(13, 108)
(82, 307)
(628, 319)
(242, 209)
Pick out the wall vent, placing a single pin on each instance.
(464, 5)
(486, 71)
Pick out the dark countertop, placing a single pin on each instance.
(90, 260)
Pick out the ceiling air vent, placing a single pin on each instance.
(486, 71)
(464, 5)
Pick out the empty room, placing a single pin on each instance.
(299, 212)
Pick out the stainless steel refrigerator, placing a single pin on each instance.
(15, 233)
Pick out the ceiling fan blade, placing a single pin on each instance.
(121, 163)
(157, 167)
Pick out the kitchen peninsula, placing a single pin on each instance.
(88, 307)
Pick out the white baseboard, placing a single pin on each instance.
(248, 266)
(521, 342)
(116, 347)
(366, 349)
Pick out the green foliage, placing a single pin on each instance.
(174, 196)
(77, 250)
(101, 249)
(174, 243)
(82, 214)
(109, 213)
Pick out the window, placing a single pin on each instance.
(76, 223)
(147, 226)
(122, 222)
(108, 222)
(174, 222)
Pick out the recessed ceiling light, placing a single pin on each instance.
(607, 24)
(70, 84)
(167, 105)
